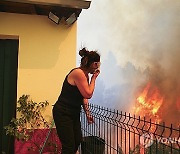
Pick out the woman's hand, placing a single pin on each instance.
(96, 73)
(90, 119)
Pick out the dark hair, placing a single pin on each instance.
(88, 57)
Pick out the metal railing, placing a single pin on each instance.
(115, 132)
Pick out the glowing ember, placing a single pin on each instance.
(149, 102)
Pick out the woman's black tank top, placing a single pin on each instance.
(70, 96)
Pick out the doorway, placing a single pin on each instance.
(8, 90)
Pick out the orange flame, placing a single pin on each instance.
(149, 102)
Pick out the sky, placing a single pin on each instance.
(139, 41)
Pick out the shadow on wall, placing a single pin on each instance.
(50, 44)
(42, 42)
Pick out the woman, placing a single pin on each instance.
(75, 92)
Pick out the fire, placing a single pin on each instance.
(148, 103)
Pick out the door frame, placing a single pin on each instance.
(16, 49)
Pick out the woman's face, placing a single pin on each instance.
(94, 66)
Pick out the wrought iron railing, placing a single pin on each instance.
(115, 132)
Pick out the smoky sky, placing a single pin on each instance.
(139, 41)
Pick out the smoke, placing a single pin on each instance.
(116, 85)
(139, 41)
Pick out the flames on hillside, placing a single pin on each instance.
(153, 104)
(148, 103)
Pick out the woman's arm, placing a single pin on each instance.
(90, 118)
(81, 82)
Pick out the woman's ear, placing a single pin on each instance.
(85, 61)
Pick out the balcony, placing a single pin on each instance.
(116, 132)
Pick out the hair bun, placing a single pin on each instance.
(83, 52)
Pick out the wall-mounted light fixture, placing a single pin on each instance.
(64, 15)
(54, 18)
(71, 19)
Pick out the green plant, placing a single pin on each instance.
(31, 126)
(30, 118)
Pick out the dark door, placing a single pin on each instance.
(8, 90)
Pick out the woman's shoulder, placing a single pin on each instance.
(77, 71)
(75, 75)
(73, 70)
